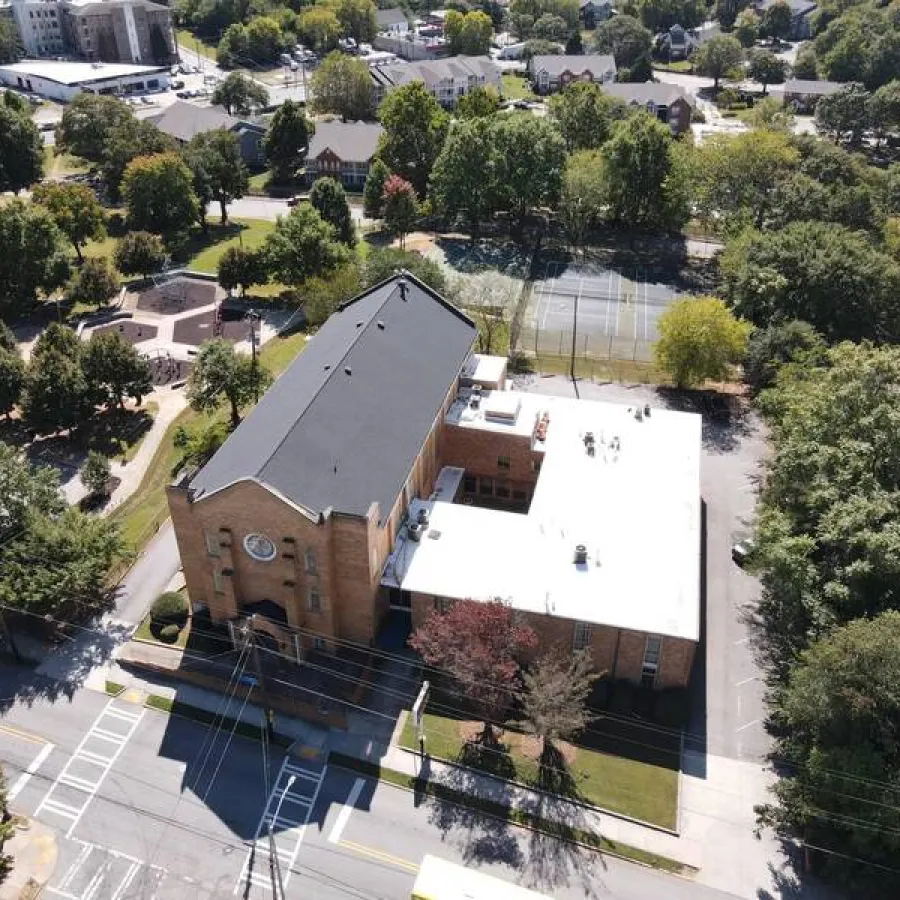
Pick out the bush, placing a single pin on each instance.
(520, 363)
(168, 634)
(622, 702)
(698, 116)
(170, 607)
(672, 708)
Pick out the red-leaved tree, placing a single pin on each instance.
(400, 207)
(479, 645)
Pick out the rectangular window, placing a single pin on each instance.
(486, 487)
(650, 665)
(519, 495)
(582, 636)
(218, 582)
(212, 543)
(502, 490)
(312, 567)
(313, 600)
(441, 604)
(536, 466)
(503, 462)
(318, 643)
(469, 484)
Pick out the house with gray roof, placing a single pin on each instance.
(593, 11)
(804, 95)
(392, 21)
(670, 103)
(553, 73)
(344, 151)
(801, 13)
(183, 120)
(445, 79)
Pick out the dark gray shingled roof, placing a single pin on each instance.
(324, 438)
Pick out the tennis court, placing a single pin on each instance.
(617, 311)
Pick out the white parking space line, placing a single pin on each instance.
(33, 767)
(99, 882)
(83, 785)
(344, 815)
(748, 725)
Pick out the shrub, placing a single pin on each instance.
(170, 607)
(672, 707)
(168, 634)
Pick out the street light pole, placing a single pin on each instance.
(273, 850)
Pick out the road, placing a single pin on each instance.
(147, 806)
(269, 208)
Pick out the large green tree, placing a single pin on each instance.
(11, 49)
(583, 199)
(415, 128)
(25, 487)
(12, 379)
(585, 115)
(373, 192)
(87, 123)
(358, 18)
(159, 193)
(287, 141)
(56, 395)
(819, 272)
(766, 68)
(95, 282)
(220, 374)
(469, 33)
(219, 172)
(479, 102)
(342, 85)
(844, 115)
(139, 253)
(718, 57)
(400, 207)
(114, 370)
(660, 15)
(646, 176)
(382, 263)
(75, 210)
(33, 256)
(21, 150)
(125, 142)
(240, 95)
(776, 345)
(629, 42)
(328, 198)
(241, 268)
(301, 246)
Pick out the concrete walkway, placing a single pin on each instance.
(34, 852)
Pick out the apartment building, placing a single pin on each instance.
(553, 73)
(390, 470)
(39, 23)
(446, 79)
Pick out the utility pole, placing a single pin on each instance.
(261, 679)
(254, 317)
(273, 849)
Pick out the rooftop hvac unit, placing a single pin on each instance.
(475, 401)
(580, 555)
(422, 517)
(415, 531)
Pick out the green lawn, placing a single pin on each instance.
(146, 509)
(624, 370)
(205, 250)
(58, 165)
(679, 65)
(613, 780)
(517, 88)
(197, 45)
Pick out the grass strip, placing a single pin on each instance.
(114, 688)
(515, 816)
(207, 717)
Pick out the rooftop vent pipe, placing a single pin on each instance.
(580, 555)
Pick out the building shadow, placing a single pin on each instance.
(695, 740)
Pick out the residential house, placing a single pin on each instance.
(344, 151)
(183, 120)
(552, 73)
(593, 11)
(392, 21)
(670, 103)
(446, 79)
(804, 95)
(801, 13)
(390, 472)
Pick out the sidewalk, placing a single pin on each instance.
(34, 854)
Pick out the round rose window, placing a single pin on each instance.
(259, 547)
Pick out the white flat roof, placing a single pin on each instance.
(72, 73)
(482, 368)
(634, 505)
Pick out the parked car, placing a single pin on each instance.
(742, 550)
(177, 85)
(183, 95)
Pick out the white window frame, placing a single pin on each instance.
(582, 635)
(651, 658)
(313, 600)
(310, 562)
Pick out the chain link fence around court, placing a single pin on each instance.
(617, 312)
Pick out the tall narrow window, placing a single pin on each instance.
(218, 582)
(650, 665)
(212, 543)
(313, 601)
(311, 564)
(582, 636)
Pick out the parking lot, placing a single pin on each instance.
(617, 311)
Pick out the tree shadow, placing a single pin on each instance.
(488, 754)
(727, 419)
(468, 257)
(554, 774)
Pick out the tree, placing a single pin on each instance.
(479, 102)
(32, 256)
(775, 345)
(805, 65)
(718, 57)
(770, 114)
(327, 197)
(532, 158)
(25, 487)
(139, 253)
(488, 298)
(57, 338)
(322, 295)
(535, 47)
(240, 95)
(287, 141)
(240, 268)
(59, 566)
(21, 151)
(75, 210)
(159, 193)
(553, 697)
(134, 138)
(465, 175)
(95, 474)
(884, 109)
(115, 370)
(94, 283)
(8, 339)
(56, 395)
(629, 43)
(12, 379)
(819, 272)
(777, 21)
(221, 373)
(583, 198)
(699, 340)
(735, 177)
(478, 644)
(301, 246)
(373, 192)
(400, 208)
(766, 68)
(585, 115)
(415, 127)
(837, 717)
(468, 34)
(661, 15)
(319, 27)
(343, 85)
(264, 39)
(10, 51)
(645, 177)
(746, 28)
(550, 28)
(87, 123)
(358, 19)
(381, 264)
(218, 169)
(844, 115)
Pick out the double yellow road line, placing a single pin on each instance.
(23, 735)
(380, 856)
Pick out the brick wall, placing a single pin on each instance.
(477, 452)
